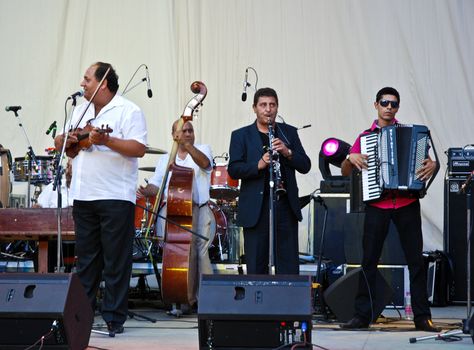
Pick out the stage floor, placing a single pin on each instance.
(169, 332)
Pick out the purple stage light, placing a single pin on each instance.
(330, 147)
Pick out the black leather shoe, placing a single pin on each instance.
(355, 323)
(426, 325)
(114, 328)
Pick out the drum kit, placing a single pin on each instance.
(224, 194)
(225, 235)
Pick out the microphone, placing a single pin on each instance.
(148, 91)
(304, 127)
(79, 93)
(12, 108)
(52, 127)
(246, 85)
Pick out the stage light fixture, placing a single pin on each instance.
(333, 151)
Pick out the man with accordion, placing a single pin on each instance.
(387, 203)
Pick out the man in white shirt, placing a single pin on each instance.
(199, 158)
(105, 169)
(49, 198)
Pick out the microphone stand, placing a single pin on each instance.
(126, 89)
(31, 158)
(271, 213)
(133, 87)
(57, 185)
(467, 324)
(320, 200)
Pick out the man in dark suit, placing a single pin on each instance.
(249, 161)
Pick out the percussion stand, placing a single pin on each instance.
(468, 323)
(30, 153)
(31, 160)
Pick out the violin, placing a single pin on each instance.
(83, 141)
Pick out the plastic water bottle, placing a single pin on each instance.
(408, 309)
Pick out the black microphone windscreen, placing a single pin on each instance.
(150, 93)
(244, 97)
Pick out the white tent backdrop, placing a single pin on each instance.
(326, 60)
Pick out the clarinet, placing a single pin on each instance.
(275, 157)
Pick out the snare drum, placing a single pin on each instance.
(41, 171)
(222, 185)
(218, 249)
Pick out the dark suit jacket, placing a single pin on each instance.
(246, 149)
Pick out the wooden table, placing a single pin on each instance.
(37, 224)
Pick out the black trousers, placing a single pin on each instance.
(408, 223)
(104, 237)
(256, 241)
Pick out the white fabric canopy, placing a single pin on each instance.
(326, 60)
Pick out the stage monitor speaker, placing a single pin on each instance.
(340, 296)
(254, 311)
(455, 237)
(51, 305)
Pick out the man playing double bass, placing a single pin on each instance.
(199, 158)
(103, 187)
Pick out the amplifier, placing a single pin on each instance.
(460, 160)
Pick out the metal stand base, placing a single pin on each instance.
(132, 314)
(444, 336)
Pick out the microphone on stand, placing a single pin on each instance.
(304, 127)
(149, 92)
(246, 85)
(79, 93)
(12, 108)
(52, 128)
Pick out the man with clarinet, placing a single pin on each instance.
(255, 150)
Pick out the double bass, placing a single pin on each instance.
(175, 277)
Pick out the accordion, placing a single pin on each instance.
(395, 154)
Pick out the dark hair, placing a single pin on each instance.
(268, 92)
(112, 77)
(387, 91)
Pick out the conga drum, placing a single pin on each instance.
(5, 184)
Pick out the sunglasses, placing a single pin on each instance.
(385, 103)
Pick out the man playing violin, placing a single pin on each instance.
(103, 186)
(199, 158)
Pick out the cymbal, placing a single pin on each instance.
(152, 150)
(147, 168)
